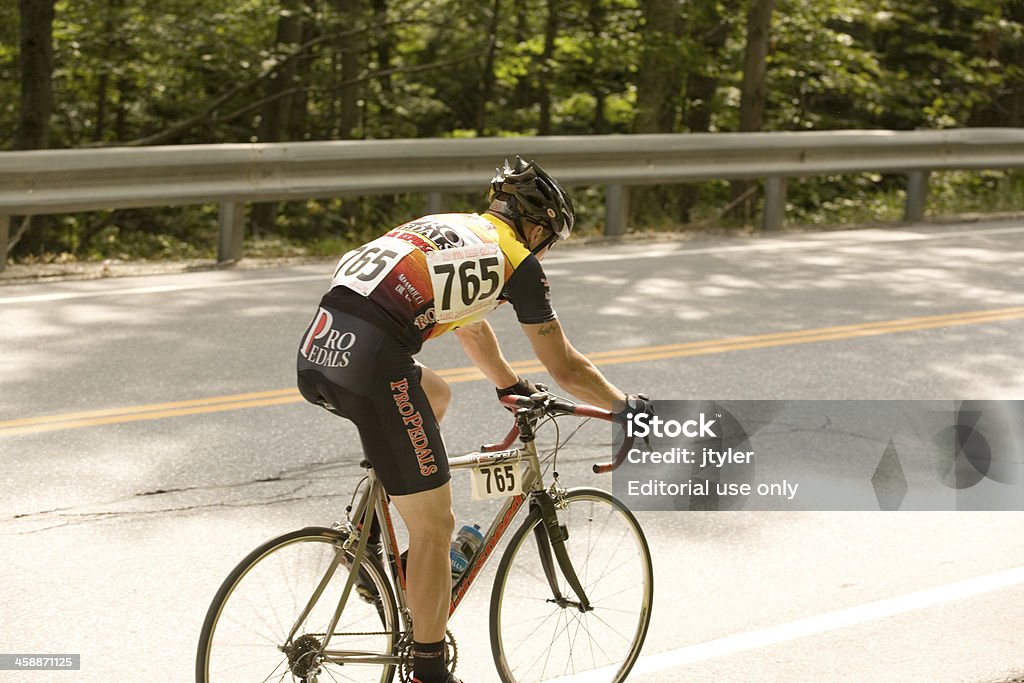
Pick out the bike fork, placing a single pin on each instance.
(551, 537)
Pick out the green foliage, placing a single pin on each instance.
(188, 71)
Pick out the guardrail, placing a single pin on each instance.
(62, 181)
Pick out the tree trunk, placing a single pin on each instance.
(351, 48)
(385, 42)
(523, 96)
(298, 123)
(104, 80)
(36, 45)
(659, 82)
(274, 121)
(710, 31)
(659, 77)
(487, 77)
(124, 87)
(752, 95)
(546, 70)
(755, 65)
(277, 111)
(36, 73)
(114, 51)
(596, 22)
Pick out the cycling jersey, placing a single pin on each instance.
(438, 273)
(387, 297)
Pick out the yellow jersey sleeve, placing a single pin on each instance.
(514, 250)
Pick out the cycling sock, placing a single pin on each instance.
(428, 662)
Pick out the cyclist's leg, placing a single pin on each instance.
(395, 402)
(429, 518)
(419, 484)
(438, 392)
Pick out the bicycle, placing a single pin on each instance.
(577, 599)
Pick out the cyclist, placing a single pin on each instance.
(426, 277)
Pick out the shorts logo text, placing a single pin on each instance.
(413, 421)
(326, 346)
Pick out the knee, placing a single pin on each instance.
(433, 526)
(440, 397)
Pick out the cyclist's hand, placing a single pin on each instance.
(636, 404)
(523, 387)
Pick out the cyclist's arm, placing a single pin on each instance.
(481, 345)
(571, 369)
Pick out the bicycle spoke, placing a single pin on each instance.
(616, 544)
(606, 574)
(533, 634)
(552, 640)
(333, 678)
(572, 645)
(610, 627)
(593, 657)
(270, 640)
(283, 674)
(605, 610)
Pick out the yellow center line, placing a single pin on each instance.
(470, 374)
(214, 400)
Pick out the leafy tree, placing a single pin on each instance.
(143, 72)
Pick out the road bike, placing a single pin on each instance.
(571, 596)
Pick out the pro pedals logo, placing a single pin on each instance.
(325, 345)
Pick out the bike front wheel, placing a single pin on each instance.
(536, 638)
(246, 633)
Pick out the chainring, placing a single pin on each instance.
(405, 669)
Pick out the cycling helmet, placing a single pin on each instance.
(525, 190)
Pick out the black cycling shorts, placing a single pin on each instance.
(361, 372)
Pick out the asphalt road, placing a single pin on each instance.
(150, 437)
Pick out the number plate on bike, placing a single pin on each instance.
(497, 480)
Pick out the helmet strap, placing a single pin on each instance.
(511, 210)
(551, 239)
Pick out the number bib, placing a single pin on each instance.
(500, 480)
(465, 280)
(362, 269)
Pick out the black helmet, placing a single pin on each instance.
(527, 191)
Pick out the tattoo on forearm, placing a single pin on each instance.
(547, 329)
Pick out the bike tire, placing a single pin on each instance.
(529, 632)
(283, 573)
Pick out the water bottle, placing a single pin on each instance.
(466, 544)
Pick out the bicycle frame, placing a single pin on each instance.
(374, 501)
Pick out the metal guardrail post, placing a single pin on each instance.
(232, 231)
(616, 210)
(917, 196)
(774, 203)
(5, 236)
(435, 203)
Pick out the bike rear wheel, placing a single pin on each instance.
(535, 639)
(247, 626)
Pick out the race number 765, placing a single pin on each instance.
(471, 284)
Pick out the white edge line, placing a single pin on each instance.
(655, 251)
(840, 239)
(810, 626)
